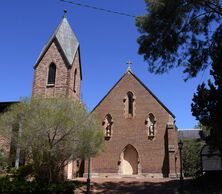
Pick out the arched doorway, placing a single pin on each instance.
(129, 161)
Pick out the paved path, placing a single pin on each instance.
(210, 184)
(131, 186)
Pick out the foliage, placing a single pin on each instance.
(180, 33)
(51, 132)
(24, 187)
(191, 157)
(3, 164)
(204, 131)
(23, 173)
(188, 34)
(207, 104)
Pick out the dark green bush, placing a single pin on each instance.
(3, 164)
(22, 173)
(16, 186)
(191, 158)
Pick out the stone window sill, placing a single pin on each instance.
(129, 116)
(107, 137)
(151, 137)
(50, 85)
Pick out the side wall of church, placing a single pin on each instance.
(74, 92)
(153, 154)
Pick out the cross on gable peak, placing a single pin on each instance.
(129, 65)
(65, 13)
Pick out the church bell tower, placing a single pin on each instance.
(57, 71)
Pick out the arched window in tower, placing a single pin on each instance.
(52, 74)
(151, 126)
(74, 84)
(107, 125)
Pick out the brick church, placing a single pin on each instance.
(139, 131)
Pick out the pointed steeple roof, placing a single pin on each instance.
(66, 39)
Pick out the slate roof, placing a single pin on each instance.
(66, 39)
(130, 72)
(189, 133)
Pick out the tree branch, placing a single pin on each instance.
(192, 19)
(216, 5)
(219, 12)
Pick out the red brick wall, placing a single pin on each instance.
(4, 146)
(76, 65)
(64, 75)
(174, 158)
(153, 154)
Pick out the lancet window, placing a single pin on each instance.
(74, 84)
(52, 74)
(129, 102)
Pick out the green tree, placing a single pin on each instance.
(204, 131)
(207, 104)
(191, 157)
(188, 34)
(52, 132)
(180, 33)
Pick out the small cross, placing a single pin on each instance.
(65, 13)
(129, 65)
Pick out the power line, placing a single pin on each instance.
(100, 9)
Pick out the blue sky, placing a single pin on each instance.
(107, 41)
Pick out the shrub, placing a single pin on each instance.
(191, 157)
(15, 186)
(23, 172)
(3, 164)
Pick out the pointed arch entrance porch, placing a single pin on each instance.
(129, 161)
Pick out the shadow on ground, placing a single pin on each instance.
(209, 185)
(136, 187)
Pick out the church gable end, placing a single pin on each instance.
(41, 86)
(138, 119)
(132, 81)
